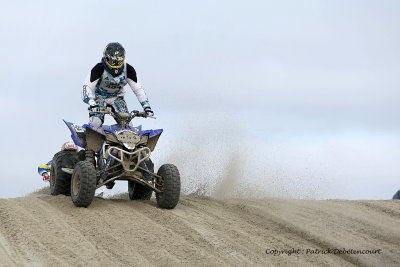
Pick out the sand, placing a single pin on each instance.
(45, 230)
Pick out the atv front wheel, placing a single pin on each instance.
(170, 186)
(138, 191)
(59, 180)
(83, 184)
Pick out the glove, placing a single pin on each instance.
(147, 108)
(92, 102)
(94, 108)
(149, 112)
(46, 176)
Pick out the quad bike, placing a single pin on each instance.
(111, 153)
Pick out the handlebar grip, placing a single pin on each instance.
(137, 113)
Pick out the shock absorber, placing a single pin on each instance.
(144, 166)
(109, 161)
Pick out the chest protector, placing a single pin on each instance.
(109, 86)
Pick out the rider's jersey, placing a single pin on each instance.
(100, 83)
(44, 168)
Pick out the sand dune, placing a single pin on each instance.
(48, 230)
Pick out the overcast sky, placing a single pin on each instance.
(306, 92)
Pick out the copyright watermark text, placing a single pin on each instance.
(316, 251)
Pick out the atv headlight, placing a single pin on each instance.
(128, 138)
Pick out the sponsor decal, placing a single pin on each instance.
(77, 128)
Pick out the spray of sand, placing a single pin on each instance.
(221, 160)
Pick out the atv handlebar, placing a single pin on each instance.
(119, 115)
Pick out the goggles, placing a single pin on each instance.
(114, 62)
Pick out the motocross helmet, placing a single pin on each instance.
(114, 58)
(70, 146)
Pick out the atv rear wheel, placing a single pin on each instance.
(83, 184)
(170, 186)
(138, 191)
(59, 180)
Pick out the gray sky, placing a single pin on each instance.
(307, 90)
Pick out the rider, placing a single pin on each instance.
(44, 169)
(105, 85)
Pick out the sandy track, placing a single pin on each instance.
(45, 230)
